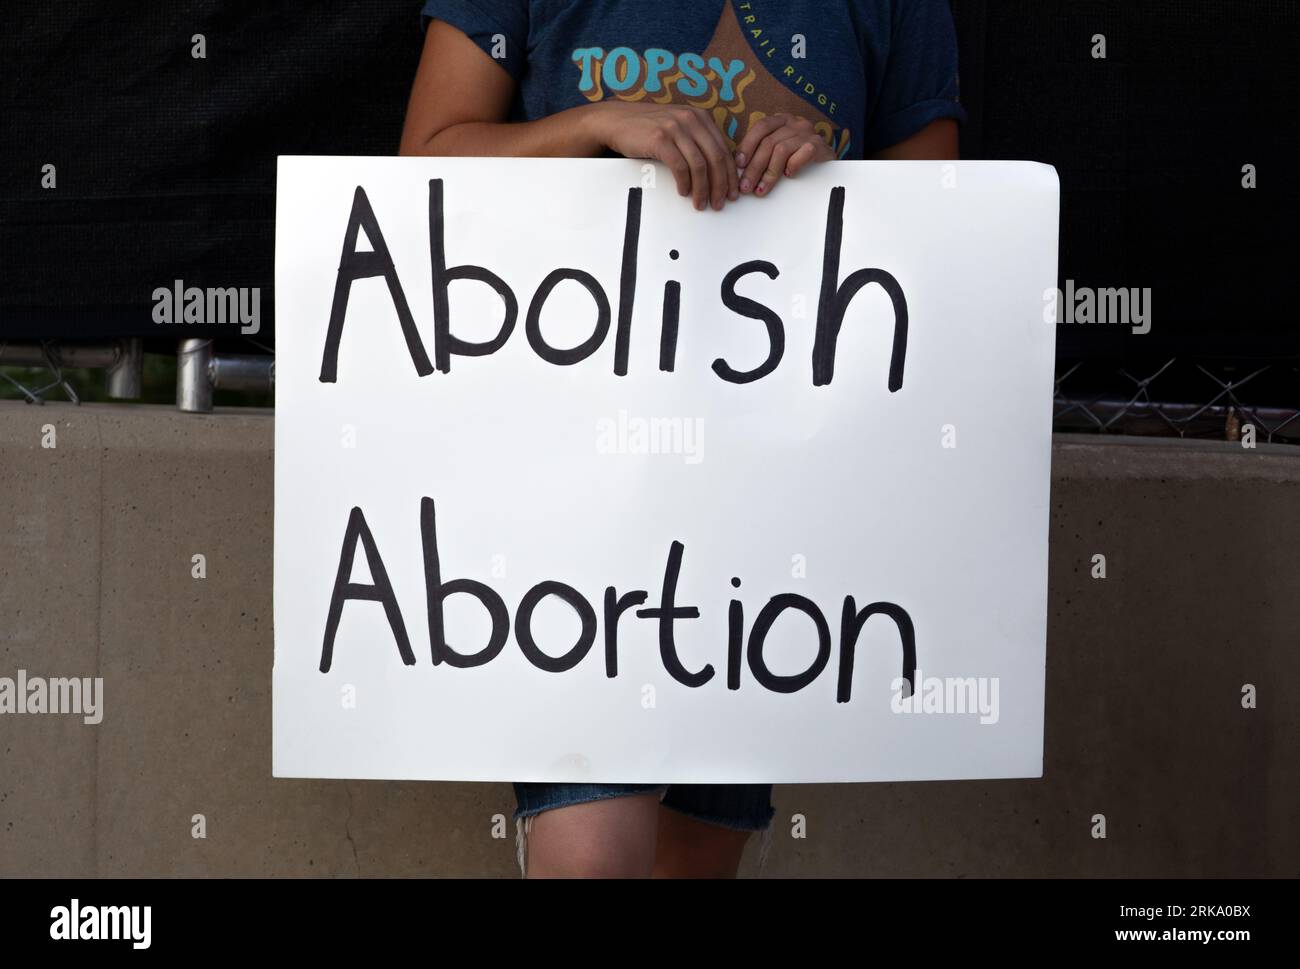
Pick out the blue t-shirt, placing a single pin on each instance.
(867, 73)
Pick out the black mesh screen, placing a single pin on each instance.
(166, 164)
(1150, 144)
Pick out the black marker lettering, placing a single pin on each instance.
(666, 613)
(627, 280)
(735, 642)
(355, 265)
(437, 591)
(758, 635)
(524, 628)
(615, 606)
(755, 311)
(380, 591)
(834, 301)
(668, 331)
(533, 326)
(851, 625)
(444, 343)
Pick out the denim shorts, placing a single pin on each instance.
(742, 807)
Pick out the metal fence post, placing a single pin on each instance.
(194, 376)
(125, 375)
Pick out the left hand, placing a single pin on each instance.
(775, 146)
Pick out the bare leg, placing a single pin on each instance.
(688, 848)
(611, 838)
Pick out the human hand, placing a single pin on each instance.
(775, 146)
(683, 138)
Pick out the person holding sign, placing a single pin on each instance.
(731, 96)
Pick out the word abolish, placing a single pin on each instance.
(833, 301)
(613, 607)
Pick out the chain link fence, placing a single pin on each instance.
(195, 376)
(1196, 398)
(1180, 397)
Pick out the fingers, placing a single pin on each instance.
(724, 179)
(782, 151)
(699, 138)
(664, 148)
(699, 168)
(696, 152)
(760, 162)
(759, 130)
(806, 153)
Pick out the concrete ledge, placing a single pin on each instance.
(1144, 678)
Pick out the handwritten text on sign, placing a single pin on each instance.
(652, 494)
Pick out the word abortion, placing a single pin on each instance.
(666, 613)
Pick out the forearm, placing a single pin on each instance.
(573, 133)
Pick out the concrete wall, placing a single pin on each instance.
(1144, 677)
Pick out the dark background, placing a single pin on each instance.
(166, 164)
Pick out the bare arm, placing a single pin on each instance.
(937, 141)
(460, 100)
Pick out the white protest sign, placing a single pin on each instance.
(576, 483)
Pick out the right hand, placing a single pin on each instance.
(683, 138)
